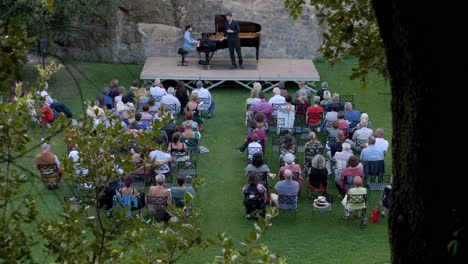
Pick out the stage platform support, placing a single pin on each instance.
(268, 71)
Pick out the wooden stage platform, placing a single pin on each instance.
(269, 71)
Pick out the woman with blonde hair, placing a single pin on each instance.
(195, 108)
(318, 174)
(162, 113)
(312, 148)
(158, 199)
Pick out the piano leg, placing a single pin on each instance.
(256, 49)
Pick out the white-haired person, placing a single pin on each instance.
(353, 116)
(341, 159)
(312, 148)
(159, 196)
(47, 158)
(170, 99)
(324, 87)
(287, 186)
(293, 167)
(361, 135)
(204, 93)
(277, 98)
(327, 100)
(318, 174)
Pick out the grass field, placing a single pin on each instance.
(309, 237)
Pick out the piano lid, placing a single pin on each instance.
(244, 25)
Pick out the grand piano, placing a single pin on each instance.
(249, 37)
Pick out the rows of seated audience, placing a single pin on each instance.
(349, 144)
(137, 110)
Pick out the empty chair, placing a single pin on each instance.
(373, 174)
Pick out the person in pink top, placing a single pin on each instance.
(353, 169)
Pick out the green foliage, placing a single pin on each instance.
(15, 244)
(14, 44)
(352, 32)
(250, 251)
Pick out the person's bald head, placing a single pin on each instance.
(288, 175)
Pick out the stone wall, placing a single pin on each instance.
(138, 29)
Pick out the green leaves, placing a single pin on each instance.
(352, 32)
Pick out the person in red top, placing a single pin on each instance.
(352, 169)
(45, 113)
(314, 112)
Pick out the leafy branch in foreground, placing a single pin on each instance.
(352, 32)
(251, 250)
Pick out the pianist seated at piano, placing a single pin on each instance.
(191, 44)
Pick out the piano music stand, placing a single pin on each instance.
(182, 52)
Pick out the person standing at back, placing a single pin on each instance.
(231, 31)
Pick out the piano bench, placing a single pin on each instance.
(182, 52)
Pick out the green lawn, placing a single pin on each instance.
(308, 238)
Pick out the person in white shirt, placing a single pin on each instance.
(204, 93)
(380, 142)
(277, 98)
(157, 89)
(163, 159)
(170, 99)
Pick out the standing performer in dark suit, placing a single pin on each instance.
(231, 31)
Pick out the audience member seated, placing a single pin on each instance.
(263, 107)
(336, 100)
(303, 90)
(361, 135)
(254, 147)
(318, 175)
(189, 120)
(287, 112)
(195, 108)
(170, 99)
(288, 146)
(312, 148)
(146, 116)
(157, 91)
(204, 94)
(161, 161)
(380, 142)
(97, 112)
(341, 159)
(113, 90)
(352, 116)
(327, 100)
(257, 165)
(337, 145)
(49, 167)
(314, 112)
(372, 152)
(283, 91)
(137, 125)
(118, 98)
(324, 87)
(330, 117)
(163, 113)
(178, 192)
(128, 194)
(343, 124)
(182, 94)
(178, 149)
(158, 199)
(255, 197)
(252, 100)
(46, 116)
(75, 156)
(294, 168)
(301, 102)
(191, 138)
(286, 187)
(352, 169)
(153, 108)
(255, 131)
(55, 105)
(358, 189)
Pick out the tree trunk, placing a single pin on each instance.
(424, 212)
